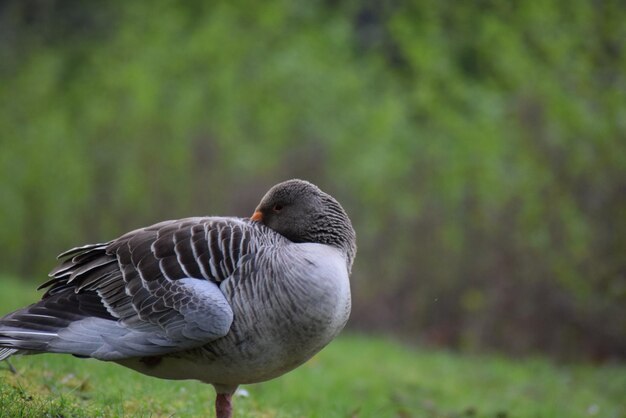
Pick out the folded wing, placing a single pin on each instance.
(150, 292)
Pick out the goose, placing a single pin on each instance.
(223, 300)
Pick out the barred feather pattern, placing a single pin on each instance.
(153, 290)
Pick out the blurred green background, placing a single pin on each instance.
(479, 147)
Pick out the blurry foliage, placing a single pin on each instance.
(479, 147)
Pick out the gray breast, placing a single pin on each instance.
(288, 303)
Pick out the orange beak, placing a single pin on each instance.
(257, 216)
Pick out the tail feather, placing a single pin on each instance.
(6, 352)
(21, 339)
(59, 324)
(36, 328)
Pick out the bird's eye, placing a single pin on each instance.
(277, 208)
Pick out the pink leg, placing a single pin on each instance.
(223, 407)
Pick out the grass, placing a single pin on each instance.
(356, 376)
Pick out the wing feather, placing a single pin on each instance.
(152, 291)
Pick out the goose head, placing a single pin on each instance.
(301, 212)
